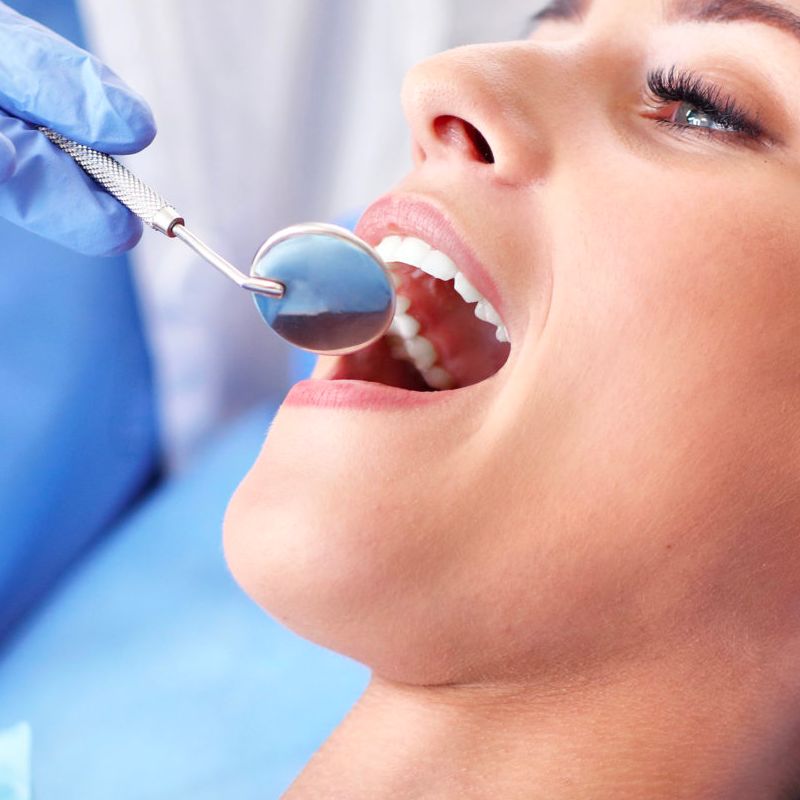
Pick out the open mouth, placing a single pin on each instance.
(445, 335)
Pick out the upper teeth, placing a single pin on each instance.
(416, 253)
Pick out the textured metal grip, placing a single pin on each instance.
(153, 209)
(119, 181)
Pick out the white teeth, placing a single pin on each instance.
(402, 305)
(438, 378)
(412, 251)
(482, 310)
(416, 253)
(405, 342)
(485, 312)
(467, 291)
(388, 247)
(422, 352)
(404, 326)
(419, 254)
(439, 265)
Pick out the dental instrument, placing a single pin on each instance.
(318, 286)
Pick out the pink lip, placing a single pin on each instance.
(358, 395)
(412, 216)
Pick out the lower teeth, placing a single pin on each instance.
(438, 378)
(422, 354)
(406, 344)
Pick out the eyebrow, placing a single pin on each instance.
(696, 11)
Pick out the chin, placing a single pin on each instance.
(353, 576)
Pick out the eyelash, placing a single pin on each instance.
(678, 86)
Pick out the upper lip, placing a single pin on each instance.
(410, 215)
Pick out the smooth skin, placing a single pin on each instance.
(583, 581)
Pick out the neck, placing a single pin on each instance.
(701, 727)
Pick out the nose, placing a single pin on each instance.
(475, 104)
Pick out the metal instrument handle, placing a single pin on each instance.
(147, 204)
(120, 182)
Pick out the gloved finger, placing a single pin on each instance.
(8, 160)
(50, 195)
(46, 80)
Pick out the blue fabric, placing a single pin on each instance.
(47, 80)
(150, 675)
(7, 159)
(78, 433)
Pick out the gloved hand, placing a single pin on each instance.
(46, 80)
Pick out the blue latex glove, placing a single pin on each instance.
(46, 80)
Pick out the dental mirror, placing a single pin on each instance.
(338, 294)
(318, 286)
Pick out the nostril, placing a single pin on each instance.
(480, 144)
(461, 133)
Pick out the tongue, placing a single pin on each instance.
(468, 348)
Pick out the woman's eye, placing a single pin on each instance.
(685, 101)
(691, 116)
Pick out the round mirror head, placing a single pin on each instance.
(339, 295)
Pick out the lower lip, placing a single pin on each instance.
(361, 395)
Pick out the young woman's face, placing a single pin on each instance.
(627, 479)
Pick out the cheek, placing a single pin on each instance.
(695, 272)
(672, 361)
(703, 280)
